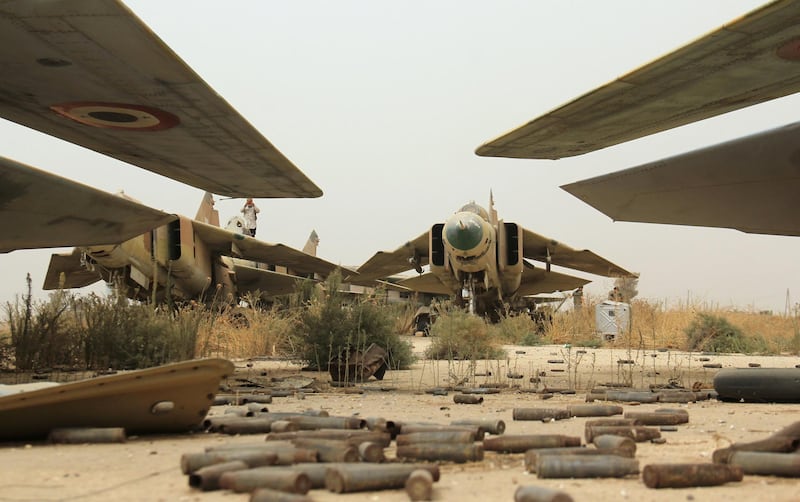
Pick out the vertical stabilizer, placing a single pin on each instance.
(206, 212)
(492, 212)
(311, 244)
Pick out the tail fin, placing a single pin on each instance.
(311, 244)
(492, 211)
(206, 212)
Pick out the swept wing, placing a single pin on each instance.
(90, 72)
(388, 263)
(41, 210)
(753, 59)
(537, 280)
(541, 248)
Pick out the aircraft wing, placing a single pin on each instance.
(426, 283)
(268, 283)
(75, 275)
(227, 243)
(387, 263)
(42, 210)
(538, 280)
(92, 73)
(748, 61)
(749, 184)
(538, 247)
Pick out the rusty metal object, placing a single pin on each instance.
(371, 452)
(689, 475)
(191, 462)
(784, 441)
(360, 477)
(352, 436)
(623, 396)
(435, 437)
(488, 426)
(539, 414)
(676, 396)
(658, 417)
(313, 423)
(79, 435)
(419, 485)
(458, 453)
(467, 399)
(532, 456)
(594, 410)
(622, 444)
(521, 443)
(355, 365)
(283, 426)
(277, 478)
(207, 478)
(767, 463)
(243, 425)
(412, 428)
(585, 466)
(329, 450)
(540, 494)
(270, 495)
(638, 433)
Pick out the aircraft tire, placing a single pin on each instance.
(758, 385)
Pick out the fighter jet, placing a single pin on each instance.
(484, 262)
(749, 184)
(189, 258)
(91, 73)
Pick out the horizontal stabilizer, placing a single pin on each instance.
(265, 282)
(538, 280)
(67, 272)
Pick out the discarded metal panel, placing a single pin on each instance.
(355, 365)
(521, 443)
(207, 478)
(689, 475)
(540, 494)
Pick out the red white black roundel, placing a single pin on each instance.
(117, 116)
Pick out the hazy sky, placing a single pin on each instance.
(382, 105)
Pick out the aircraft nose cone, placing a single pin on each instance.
(463, 231)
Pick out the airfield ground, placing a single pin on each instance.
(147, 468)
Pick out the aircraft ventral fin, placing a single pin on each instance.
(94, 74)
(753, 59)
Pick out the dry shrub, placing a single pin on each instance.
(457, 334)
(518, 330)
(241, 332)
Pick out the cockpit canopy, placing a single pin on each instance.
(475, 208)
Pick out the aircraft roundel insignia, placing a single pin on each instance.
(121, 116)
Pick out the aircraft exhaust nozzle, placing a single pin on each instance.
(463, 231)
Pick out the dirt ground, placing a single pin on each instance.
(147, 468)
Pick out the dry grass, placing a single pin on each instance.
(249, 332)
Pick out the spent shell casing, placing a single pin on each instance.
(191, 462)
(531, 456)
(270, 495)
(329, 450)
(412, 428)
(207, 478)
(467, 399)
(658, 418)
(283, 426)
(451, 452)
(520, 443)
(77, 435)
(277, 478)
(488, 426)
(245, 425)
(676, 396)
(539, 414)
(435, 437)
(585, 466)
(419, 485)
(594, 410)
(312, 423)
(689, 475)
(371, 452)
(638, 433)
(366, 477)
(540, 494)
(352, 436)
(767, 463)
(623, 396)
(613, 442)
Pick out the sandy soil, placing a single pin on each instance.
(147, 468)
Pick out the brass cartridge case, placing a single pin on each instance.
(435, 437)
(539, 414)
(623, 444)
(467, 399)
(767, 463)
(636, 432)
(594, 410)
(270, 495)
(207, 478)
(277, 478)
(540, 494)
(488, 426)
(366, 477)
(458, 453)
(585, 466)
(658, 418)
(524, 442)
(191, 462)
(419, 485)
